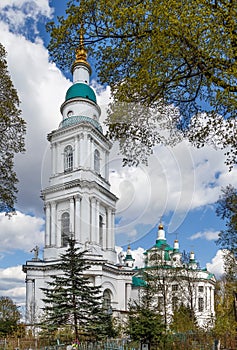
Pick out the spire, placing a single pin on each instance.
(81, 54)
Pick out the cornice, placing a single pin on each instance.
(82, 126)
(81, 184)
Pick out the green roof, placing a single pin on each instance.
(80, 90)
(138, 281)
(162, 245)
(167, 256)
(129, 257)
(80, 119)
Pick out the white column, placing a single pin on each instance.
(106, 165)
(59, 233)
(81, 150)
(72, 217)
(85, 218)
(128, 288)
(77, 218)
(212, 300)
(108, 228)
(47, 225)
(97, 225)
(93, 219)
(30, 300)
(53, 224)
(76, 162)
(91, 153)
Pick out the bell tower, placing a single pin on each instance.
(78, 200)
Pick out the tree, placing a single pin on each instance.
(159, 57)
(9, 316)
(144, 321)
(227, 210)
(12, 130)
(71, 299)
(225, 324)
(183, 319)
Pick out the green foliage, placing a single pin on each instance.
(183, 320)
(71, 299)
(226, 323)
(144, 322)
(9, 316)
(227, 210)
(12, 130)
(155, 54)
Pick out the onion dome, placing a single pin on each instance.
(80, 90)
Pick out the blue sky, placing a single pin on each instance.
(180, 184)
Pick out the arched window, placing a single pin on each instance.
(97, 161)
(101, 230)
(107, 300)
(68, 158)
(65, 224)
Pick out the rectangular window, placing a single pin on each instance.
(200, 289)
(174, 303)
(200, 304)
(160, 287)
(175, 287)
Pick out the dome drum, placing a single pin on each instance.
(88, 108)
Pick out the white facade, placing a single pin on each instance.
(78, 202)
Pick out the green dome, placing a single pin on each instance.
(80, 90)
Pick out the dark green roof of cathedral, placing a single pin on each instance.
(138, 281)
(80, 90)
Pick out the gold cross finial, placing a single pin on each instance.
(81, 52)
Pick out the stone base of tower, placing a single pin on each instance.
(115, 281)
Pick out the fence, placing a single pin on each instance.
(180, 343)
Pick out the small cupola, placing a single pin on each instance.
(129, 261)
(192, 261)
(161, 233)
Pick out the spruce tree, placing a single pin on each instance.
(71, 298)
(145, 324)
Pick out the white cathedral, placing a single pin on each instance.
(78, 200)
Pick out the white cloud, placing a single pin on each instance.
(209, 235)
(217, 264)
(13, 284)
(22, 16)
(137, 254)
(177, 180)
(20, 232)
